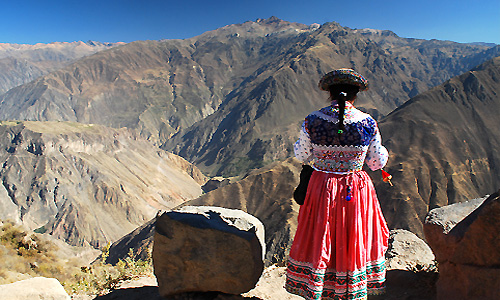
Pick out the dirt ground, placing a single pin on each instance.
(400, 285)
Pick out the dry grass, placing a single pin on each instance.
(24, 255)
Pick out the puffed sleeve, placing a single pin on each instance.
(377, 155)
(302, 147)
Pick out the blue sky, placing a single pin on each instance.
(30, 22)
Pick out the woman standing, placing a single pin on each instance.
(339, 248)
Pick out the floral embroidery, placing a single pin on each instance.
(360, 140)
(339, 159)
(368, 280)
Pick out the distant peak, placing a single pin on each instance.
(272, 19)
(100, 44)
(376, 32)
(484, 44)
(92, 43)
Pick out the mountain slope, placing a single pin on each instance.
(267, 194)
(444, 146)
(155, 86)
(20, 64)
(234, 97)
(87, 184)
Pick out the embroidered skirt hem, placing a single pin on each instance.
(310, 283)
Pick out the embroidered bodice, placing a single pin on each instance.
(320, 144)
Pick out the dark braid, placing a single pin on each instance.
(342, 93)
(341, 98)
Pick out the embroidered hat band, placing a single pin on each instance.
(343, 76)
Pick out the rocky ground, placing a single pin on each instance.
(401, 285)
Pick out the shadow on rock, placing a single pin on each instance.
(145, 292)
(208, 296)
(151, 293)
(408, 285)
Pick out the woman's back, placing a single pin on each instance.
(339, 246)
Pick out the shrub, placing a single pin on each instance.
(428, 274)
(100, 278)
(26, 254)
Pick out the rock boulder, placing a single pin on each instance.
(215, 183)
(407, 251)
(38, 288)
(202, 249)
(467, 252)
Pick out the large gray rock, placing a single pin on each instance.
(407, 251)
(467, 252)
(201, 249)
(38, 288)
(440, 221)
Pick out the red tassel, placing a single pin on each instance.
(386, 177)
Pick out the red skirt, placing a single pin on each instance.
(339, 248)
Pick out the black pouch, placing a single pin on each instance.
(300, 192)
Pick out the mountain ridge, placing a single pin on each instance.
(230, 101)
(22, 63)
(211, 129)
(251, 83)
